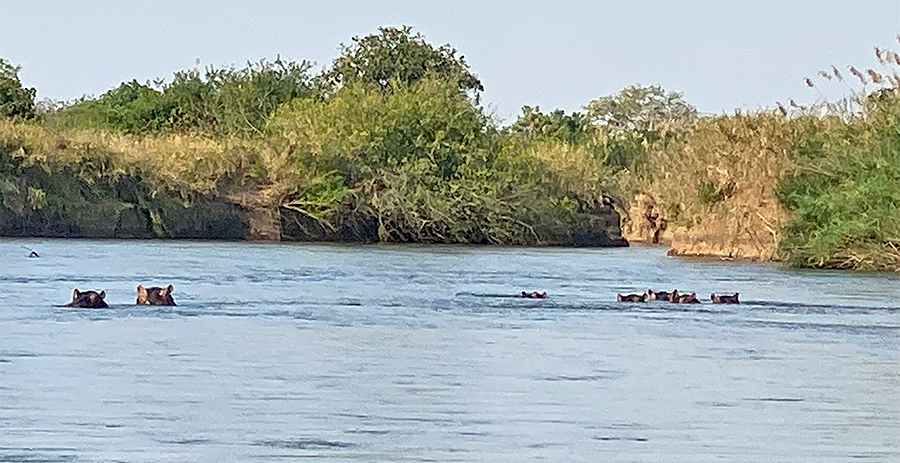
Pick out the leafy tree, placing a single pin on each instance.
(361, 129)
(384, 155)
(398, 55)
(15, 100)
(648, 112)
(557, 124)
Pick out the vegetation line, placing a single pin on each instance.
(391, 143)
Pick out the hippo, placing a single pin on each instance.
(631, 298)
(724, 298)
(659, 295)
(533, 294)
(687, 298)
(88, 299)
(154, 295)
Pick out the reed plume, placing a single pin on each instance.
(858, 74)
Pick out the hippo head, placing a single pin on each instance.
(631, 297)
(657, 295)
(724, 298)
(154, 295)
(88, 299)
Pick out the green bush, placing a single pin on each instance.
(426, 163)
(844, 193)
(224, 101)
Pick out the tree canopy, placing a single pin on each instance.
(555, 124)
(401, 55)
(643, 111)
(15, 100)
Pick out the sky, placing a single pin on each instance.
(721, 54)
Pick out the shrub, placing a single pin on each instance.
(15, 100)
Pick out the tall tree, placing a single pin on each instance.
(399, 55)
(649, 112)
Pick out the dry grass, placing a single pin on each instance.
(716, 187)
(187, 163)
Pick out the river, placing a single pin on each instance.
(287, 352)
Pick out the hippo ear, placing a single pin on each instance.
(75, 294)
(142, 291)
(169, 289)
(103, 294)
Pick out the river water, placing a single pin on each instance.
(286, 352)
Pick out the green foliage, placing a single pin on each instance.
(618, 152)
(649, 113)
(572, 128)
(360, 130)
(27, 184)
(222, 101)
(15, 100)
(844, 192)
(391, 133)
(398, 56)
(365, 136)
(428, 166)
(627, 152)
(131, 108)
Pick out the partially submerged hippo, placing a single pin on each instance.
(631, 298)
(154, 295)
(533, 294)
(88, 299)
(686, 298)
(659, 295)
(724, 298)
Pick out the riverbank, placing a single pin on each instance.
(373, 149)
(96, 184)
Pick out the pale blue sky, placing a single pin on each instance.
(721, 54)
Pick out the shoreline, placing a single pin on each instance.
(634, 245)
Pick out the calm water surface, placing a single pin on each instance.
(281, 352)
